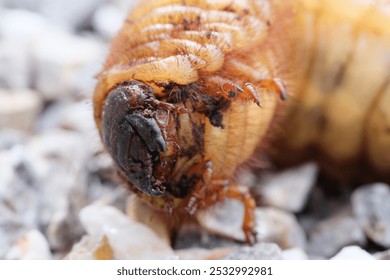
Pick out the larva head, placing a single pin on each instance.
(132, 136)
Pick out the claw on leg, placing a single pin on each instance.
(251, 92)
(241, 193)
(277, 85)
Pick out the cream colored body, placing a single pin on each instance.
(245, 125)
(342, 89)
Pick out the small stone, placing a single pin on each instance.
(14, 59)
(192, 253)
(12, 226)
(72, 116)
(289, 189)
(371, 207)
(78, 116)
(43, 185)
(260, 251)
(272, 225)
(332, 234)
(55, 162)
(108, 19)
(19, 29)
(68, 13)
(104, 251)
(22, 26)
(192, 235)
(128, 239)
(102, 165)
(384, 255)
(294, 254)
(10, 137)
(18, 201)
(224, 219)
(59, 68)
(125, 5)
(277, 226)
(159, 221)
(91, 248)
(19, 110)
(202, 253)
(32, 246)
(353, 253)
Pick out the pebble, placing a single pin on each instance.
(71, 14)
(371, 207)
(62, 71)
(192, 235)
(125, 5)
(91, 248)
(272, 224)
(260, 251)
(289, 189)
(14, 58)
(12, 227)
(72, 116)
(384, 255)
(35, 45)
(19, 203)
(23, 26)
(108, 19)
(78, 116)
(19, 30)
(139, 211)
(294, 254)
(278, 226)
(19, 109)
(11, 137)
(128, 239)
(332, 234)
(196, 253)
(54, 162)
(32, 246)
(353, 253)
(225, 219)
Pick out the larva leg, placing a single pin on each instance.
(167, 106)
(194, 202)
(248, 91)
(251, 92)
(241, 193)
(207, 192)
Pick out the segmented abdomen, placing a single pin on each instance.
(342, 113)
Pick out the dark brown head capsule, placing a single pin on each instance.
(132, 136)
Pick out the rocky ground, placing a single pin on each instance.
(60, 197)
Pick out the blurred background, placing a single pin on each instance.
(59, 192)
(51, 163)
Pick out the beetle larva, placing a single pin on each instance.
(187, 94)
(343, 87)
(190, 88)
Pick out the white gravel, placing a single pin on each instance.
(60, 195)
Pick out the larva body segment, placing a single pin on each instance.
(342, 86)
(187, 94)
